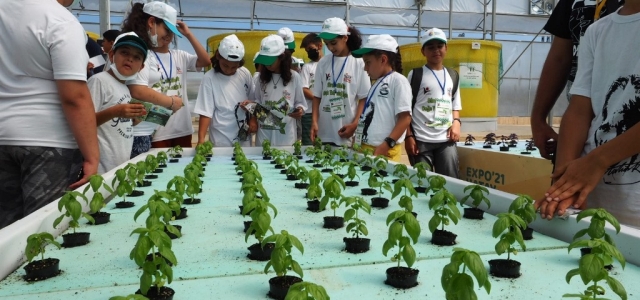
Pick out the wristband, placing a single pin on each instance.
(410, 136)
(172, 102)
(457, 119)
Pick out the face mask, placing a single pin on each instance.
(313, 54)
(120, 76)
(153, 38)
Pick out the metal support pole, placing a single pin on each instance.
(347, 16)
(450, 19)
(484, 20)
(253, 13)
(419, 38)
(105, 15)
(493, 20)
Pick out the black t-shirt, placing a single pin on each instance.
(570, 19)
(93, 49)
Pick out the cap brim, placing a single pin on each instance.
(434, 39)
(265, 60)
(172, 28)
(132, 44)
(360, 52)
(327, 36)
(291, 45)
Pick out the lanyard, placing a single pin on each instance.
(373, 92)
(441, 84)
(334, 78)
(599, 8)
(170, 73)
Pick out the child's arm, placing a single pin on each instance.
(127, 111)
(203, 126)
(404, 120)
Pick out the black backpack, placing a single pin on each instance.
(416, 79)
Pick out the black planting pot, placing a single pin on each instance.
(527, 234)
(351, 183)
(356, 245)
(190, 201)
(182, 215)
(174, 160)
(266, 157)
(313, 206)
(207, 159)
(473, 213)
(279, 286)
(71, 240)
(124, 204)
(525, 152)
(504, 268)
(379, 202)
(211, 155)
(158, 170)
(420, 189)
(145, 183)
(273, 162)
(136, 193)
(309, 161)
(443, 238)
(292, 177)
(261, 254)
(283, 171)
(151, 177)
(415, 215)
(326, 170)
(486, 146)
(177, 155)
(368, 191)
(333, 222)
(100, 218)
(402, 277)
(394, 181)
(279, 167)
(162, 165)
(504, 149)
(246, 226)
(171, 235)
(513, 145)
(42, 269)
(301, 185)
(382, 173)
(165, 293)
(317, 165)
(239, 173)
(365, 168)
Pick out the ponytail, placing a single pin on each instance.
(354, 42)
(285, 70)
(394, 59)
(136, 21)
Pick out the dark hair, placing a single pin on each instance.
(136, 21)
(285, 70)
(395, 59)
(216, 65)
(355, 40)
(111, 34)
(311, 39)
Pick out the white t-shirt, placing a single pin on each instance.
(353, 84)
(217, 99)
(389, 96)
(115, 137)
(173, 65)
(608, 69)
(433, 113)
(41, 42)
(282, 99)
(308, 74)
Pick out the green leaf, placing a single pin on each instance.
(412, 227)
(617, 287)
(590, 267)
(296, 243)
(501, 224)
(434, 222)
(388, 244)
(571, 273)
(145, 283)
(348, 214)
(409, 255)
(363, 229)
(473, 261)
(57, 221)
(395, 231)
(295, 267)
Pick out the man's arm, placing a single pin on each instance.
(552, 81)
(79, 111)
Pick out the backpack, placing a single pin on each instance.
(416, 80)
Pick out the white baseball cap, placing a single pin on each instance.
(287, 35)
(165, 12)
(270, 48)
(231, 48)
(333, 27)
(383, 42)
(434, 34)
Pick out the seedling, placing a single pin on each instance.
(381, 163)
(507, 227)
(162, 158)
(162, 205)
(36, 244)
(603, 250)
(176, 151)
(406, 201)
(402, 221)
(477, 194)
(333, 187)
(340, 154)
(468, 141)
(314, 190)
(292, 165)
(281, 259)
(376, 182)
(266, 148)
(421, 172)
(297, 148)
(157, 272)
(311, 152)
(355, 225)
(523, 207)
(125, 180)
(152, 162)
(178, 183)
(302, 174)
(97, 200)
(73, 209)
(367, 158)
(196, 168)
(261, 219)
(443, 203)
(352, 173)
(194, 184)
(306, 291)
(401, 171)
(199, 159)
(456, 283)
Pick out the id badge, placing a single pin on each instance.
(359, 132)
(442, 115)
(337, 108)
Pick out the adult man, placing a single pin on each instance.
(108, 37)
(312, 44)
(48, 136)
(568, 23)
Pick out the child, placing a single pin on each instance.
(340, 87)
(312, 44)
(222, 89)
(111, 99)
(280, 90)
(598, 149)
(387, 110)
(435, 126)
